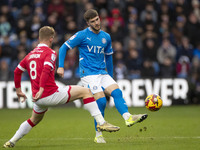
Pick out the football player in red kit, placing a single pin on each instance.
(40, 65)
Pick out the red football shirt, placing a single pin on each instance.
(34, 62)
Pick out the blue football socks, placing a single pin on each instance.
(119, 101)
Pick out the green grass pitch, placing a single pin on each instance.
(170, 128)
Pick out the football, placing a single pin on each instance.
(153, 102)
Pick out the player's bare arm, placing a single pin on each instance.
(21, 96)
(38, 94)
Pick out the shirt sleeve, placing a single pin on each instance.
(109, 64)
(45, 75)
(75, 40)
(50, 60)
(18, 73)
(62, 54)
(49, 65)
(108, 49)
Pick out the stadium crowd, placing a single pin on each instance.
(150, 38)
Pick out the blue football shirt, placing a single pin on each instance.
(92, 50)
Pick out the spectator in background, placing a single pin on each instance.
(133, 27)
(178, 29)
(70, 26)
(132, 44)
(120, 4)
(118, 57)
(22, 26)
(40, 13)
(71, 58)
(21, 53)
(167, 69)
(24, 40)
(103, 14)
(4, 70)
(196, 52)
(133, 64)
(178, 10)
(116, 19)
(185, 5)
(68, 73)
(56, 6)
(185, 48)
(164, 20)
(35, 26)
(120, 70)
(164, 28)
(165, 9)
(148, 70)
(38, 3)
(150, 30)
(5, 11)
(82, 6)
(192, 28)
(26, 14)
(54, 22)
(166, 50)
(149, 53)
(132, 39)
(183, 67)
(116, 33)
(8, 52)
(133, 15)
(150, 50)
(117, 46)
(99, 4)
(5, 26)
(196, 8)
(149, 13)
(71, 8)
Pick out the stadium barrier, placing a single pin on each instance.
(172, 91)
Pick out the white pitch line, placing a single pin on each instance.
(58, 139)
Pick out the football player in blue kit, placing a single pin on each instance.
(96, 68)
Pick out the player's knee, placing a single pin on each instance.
(87, 92)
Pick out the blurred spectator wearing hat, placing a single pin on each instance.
(182, 67)
(116, 18)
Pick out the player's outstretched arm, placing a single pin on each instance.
(62, 53)
(17, 80)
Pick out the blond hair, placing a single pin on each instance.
(46, 32)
